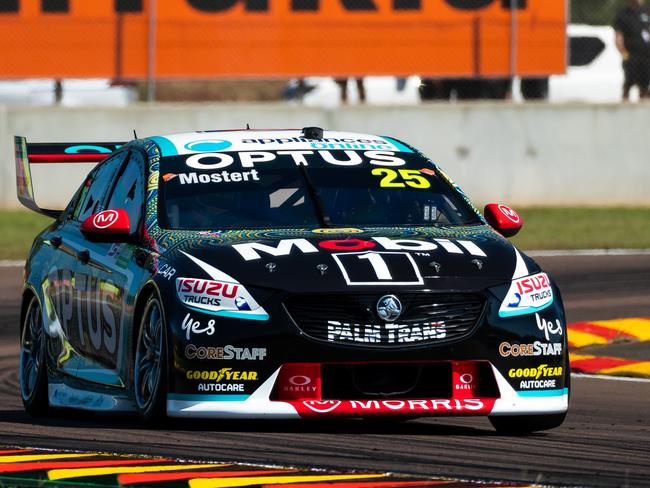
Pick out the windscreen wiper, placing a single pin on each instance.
(323, 218)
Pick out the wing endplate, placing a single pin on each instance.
(52, 153)
(24, 187)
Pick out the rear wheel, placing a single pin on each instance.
(33, 369)
(150, 363)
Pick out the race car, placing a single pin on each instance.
(283, 274)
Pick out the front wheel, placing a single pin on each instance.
(33, 369)
(150, 363)
(526, 424)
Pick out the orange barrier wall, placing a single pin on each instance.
(220, 38)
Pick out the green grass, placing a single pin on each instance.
(582, 228)
(17, 231)
(544, 228)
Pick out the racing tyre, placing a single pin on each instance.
(525, 424)
(150, 363)
(33, 368)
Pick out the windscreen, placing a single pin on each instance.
(284, 189)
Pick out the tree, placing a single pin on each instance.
(595, 12)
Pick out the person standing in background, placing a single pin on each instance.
(343, 85)
(632, 27)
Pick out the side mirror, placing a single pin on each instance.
(503, 219)
(109, 225)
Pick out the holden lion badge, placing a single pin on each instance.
(389, 308)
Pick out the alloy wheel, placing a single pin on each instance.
(149, 355)
(32, 350)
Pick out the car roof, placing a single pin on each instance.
(271, 140)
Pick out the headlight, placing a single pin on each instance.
(219, 298)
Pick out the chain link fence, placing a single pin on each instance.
(315, 51)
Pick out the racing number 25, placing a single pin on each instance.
(401, 178)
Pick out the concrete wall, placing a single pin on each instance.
(518, 154)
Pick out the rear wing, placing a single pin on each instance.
(52, 153)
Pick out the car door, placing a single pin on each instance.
(122, 271)
(97, 291)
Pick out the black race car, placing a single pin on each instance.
(283, 274)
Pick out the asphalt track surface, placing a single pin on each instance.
(605, 441)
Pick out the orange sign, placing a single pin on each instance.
(241, 38)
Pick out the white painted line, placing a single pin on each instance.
(588, 252)
(7, 263)
(611, 378)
